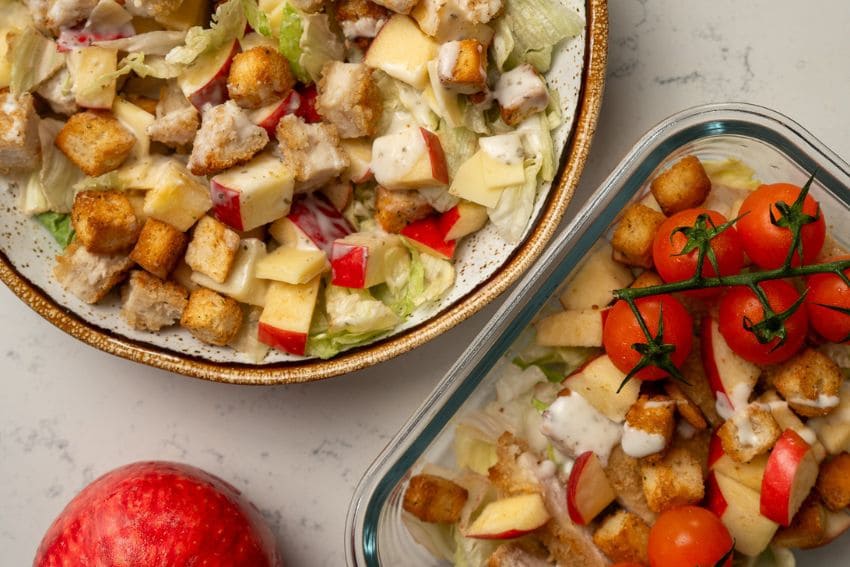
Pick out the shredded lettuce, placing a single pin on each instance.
(535, 27)
(143, 174)
(537, 141)
(319, 44)
(228, 23)
(159, 42)
(732, 173)
(33, 200)
(472, 552)
(141, 65)
(512, 213)
(458, 145)
(436, 538)
(355, 311)
(34, 60)
(503, 43)
(290, 32)
(439, 197)
(361, 212)
(773, 556)
(474, 449)
(57, 174)
(257, 19)
(110, 16)
(328, 344)
(59, 226)
(415, 282)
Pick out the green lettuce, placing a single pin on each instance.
(159, 42)
(228, 23)
(472, 552)
(140, 64)
(257, 19)
(474, 449)
(58, 174)
(535, 27)
(458, 145)
(291, 30)
(319, 44)
(33, 200)
(59, 226)
(731, 173)
(415, 279)
(35, 59)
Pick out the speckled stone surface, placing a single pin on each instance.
(69, 413)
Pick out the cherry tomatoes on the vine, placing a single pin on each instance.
(766, 243)
(683, 231)
(828, 295)
(622, 331)
(740, 310)
(687, 537)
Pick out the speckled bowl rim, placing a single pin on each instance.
(572, 165)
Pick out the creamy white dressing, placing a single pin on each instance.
(363, 27)
(685, 430)
(658, 404)
(447, 59)
(394, 155)
(506, 148)
(823, 402)
(638, 443)
(575, 426)
(738, 398)
(744, 432)
(521, 87)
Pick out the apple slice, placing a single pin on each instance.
(190, 13)
(833, 430)
(241, 283)
(359, 259)
(410, 159)
(510, 517)
(205, 80)
(728, 374)
(292, 265)
(402, 51)
(285, 321)
(316, 217)
(787, 419)
(359, 152)
(268, 116)
(87, 67)
(588, 489)
(738, 508)
(425, 236)
(251, 195)
(749, 474)
(577, 328)
(339, 194)
(286, 233)
(482, 178)
(136, 120)
(790, 474)
(462, 220)
(597, 278)
(597, 381)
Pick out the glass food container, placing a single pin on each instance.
(777, 148)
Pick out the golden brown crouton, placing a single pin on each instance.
(360, 18)
(212, 249)
(507, 475)
(749, 433)
(649, 426)
(518, 554)
(623, 537)
(809, 382)
(633, 237)
(259, 77)
(159, 247)
(394, 210)
(833, 483)
(807, 529)
(462, 66)
(104, 221)
(647, 278)
(349, 99)
(685, 406)
(624, 474)
(684, 186)
(310, 151)
(674, 481)
(149, 304)
(95, 142)
(227, 138)
(212, 318)
(434, 499)
(89, 276)
(521, 92)
(19, 144)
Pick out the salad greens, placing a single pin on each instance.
(59, 226)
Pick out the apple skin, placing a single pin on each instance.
(319, 220)
(267, 117)
(349, 263)
(158, 513)
(226, 205)
(426, 235)
(439, 167)
(287, 341)
(790, 466)
(214, 90)
(587, 474)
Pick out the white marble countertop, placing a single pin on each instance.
(69, 413)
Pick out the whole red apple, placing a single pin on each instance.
(158, 514)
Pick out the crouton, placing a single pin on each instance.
(258, 77)
(462, 66)
(349, 99)
(807, 529)
(449, 20)
(809, 382)
(158, 248)
(684, 186)
(226, 138)
(90, 276)
(177, 120)
(749, 433)
(149, 304)
(394, 210)
(833, 482)
(434, 499)
(623, 537)
(212, 249)
(152, 8)
(398, 6)
(787, 419)
(697, 402)
(649, 426)
(360, 18)
(95, 142)
(104, 221)
(507, 475)
(67, 13)
(634, 234)
(647, 278)
(311, 151)
(518, 554)
(19, 144)
(674, 481)
(212, 318)
(521, 92)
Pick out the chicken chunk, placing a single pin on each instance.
(515, 554)
(398, 6)
(349, 99)
(104, 221)
(96, 142)
(177, 120)
(259, 77)
(833, 482)
(749, 433)
(684, 186)
(67, 13)
(226, 138)
(19, 145)
(311, 151)
(90, 276)
(809, 382)
(521, 92)
(212, 318)
(394, 210)
(213, 249)
(481, 11)
(159, 247)
(149, 304)
(360, 18)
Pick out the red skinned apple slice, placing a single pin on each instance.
(410, 159)
(579, 328)
(359, 151)
(360, 260)
(749, 474)
(588, 489)
(599, 382)
(510, 517)
(285, 321)
(205, 81)
(253, 194)
(738, 508)
(728, 374)
(790, 474)
(462, 220)
(268, 116)
(319, 220)
(425, 235)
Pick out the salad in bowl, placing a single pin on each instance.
(301, 177)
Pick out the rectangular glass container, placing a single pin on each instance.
(777, 149)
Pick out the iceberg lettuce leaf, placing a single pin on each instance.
(319, 44)
(34, 60)
(58, 174)
(228, 23)
(257, 19)
(290, 32)
(536, 26)
(58, 225)
(159, 42)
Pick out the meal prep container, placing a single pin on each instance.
(777, 148)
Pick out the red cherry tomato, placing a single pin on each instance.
(740, 304)
(829, 289)
(766, 244)
(622, 330)
(687, 537)
(669, 243)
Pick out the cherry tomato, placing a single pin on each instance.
(740, 304)
(767, 244)
(689, 536)
(622, 330)
(669, 243)
(829, 289)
